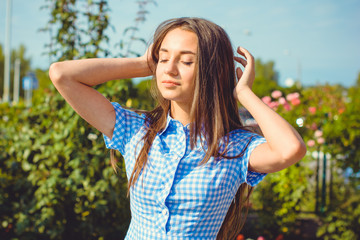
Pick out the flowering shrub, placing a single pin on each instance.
(276, 100)
(318, 114)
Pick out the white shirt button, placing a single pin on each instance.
(164, 211)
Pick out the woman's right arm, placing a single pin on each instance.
(74, 80)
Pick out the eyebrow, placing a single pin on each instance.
(181, 52)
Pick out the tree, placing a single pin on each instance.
(266, 78)
(73, 38)
(56, 181)
(357, 83)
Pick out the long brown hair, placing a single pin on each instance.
(214, 110)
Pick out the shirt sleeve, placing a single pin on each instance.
(126, 125)
(246, 142)
(252, 178)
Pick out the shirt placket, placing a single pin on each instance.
(178, 148)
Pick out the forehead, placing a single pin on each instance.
(180, 40)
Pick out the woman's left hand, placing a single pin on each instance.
(246, 77)
(284, 146)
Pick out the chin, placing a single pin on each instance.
(168, 96)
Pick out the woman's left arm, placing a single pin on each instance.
(284, 146)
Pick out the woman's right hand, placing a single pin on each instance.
(148, 58)
(74, 80)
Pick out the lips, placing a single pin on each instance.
(169, 83)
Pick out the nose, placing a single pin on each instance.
(171, 68)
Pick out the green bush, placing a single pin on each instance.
(56, 181)
(343, 221)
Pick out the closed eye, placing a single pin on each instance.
(188, 63)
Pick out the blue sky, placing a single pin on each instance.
(320, 38)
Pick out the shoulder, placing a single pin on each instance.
(242, 141)
(242, 135)
(127, 116)
(128, 123)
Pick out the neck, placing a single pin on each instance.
(180, 112)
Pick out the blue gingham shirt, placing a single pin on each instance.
(175, 197)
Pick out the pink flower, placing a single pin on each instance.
(287, 107)
(312, 110)
(292, 96)
(318, 133)
(266, 99)
(311, 143)
(321, 140)
(276, 94)
(295, 101)
(282, 100)
(273, 104)
(261, 238)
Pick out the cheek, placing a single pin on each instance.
(190, 76)
(158, 79)
(158, 70)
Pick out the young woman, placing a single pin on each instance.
(189, 160)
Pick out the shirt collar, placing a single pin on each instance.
(169, 119)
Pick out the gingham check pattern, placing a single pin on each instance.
(175, 197)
